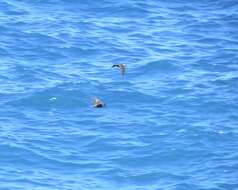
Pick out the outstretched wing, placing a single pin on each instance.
(115, 65)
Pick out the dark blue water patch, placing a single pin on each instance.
(31, 156)
(230, 20)
(43, 38)
(230, 185)
(11, 10)
(52, 98)
(161, 66)
(231, 5)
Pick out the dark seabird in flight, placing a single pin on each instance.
(122, 67)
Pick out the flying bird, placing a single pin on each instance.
(122, 67)
(97, 103)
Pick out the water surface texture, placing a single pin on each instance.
(171, 123)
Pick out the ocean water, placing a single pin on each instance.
(171, 123)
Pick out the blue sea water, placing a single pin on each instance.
(171, 123)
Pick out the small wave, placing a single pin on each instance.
(159, 67)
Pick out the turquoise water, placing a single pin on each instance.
(170, 123)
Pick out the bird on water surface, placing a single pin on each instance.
(97, 103)
(122, 67)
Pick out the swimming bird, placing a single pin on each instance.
(97, 103)
(122, 67)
